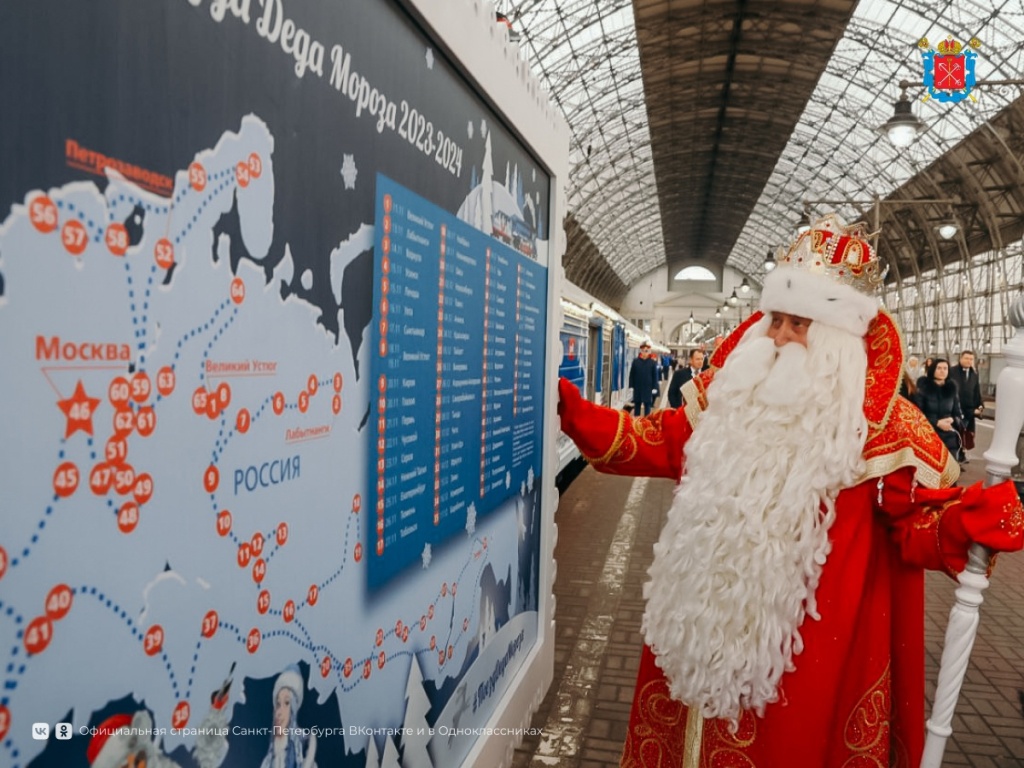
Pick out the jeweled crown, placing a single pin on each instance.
(949, 47)
(840, 252)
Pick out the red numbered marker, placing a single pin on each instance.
(143, 488)
(181, 714)
(74, 236)
(423, 623)
(398, 627)
(153, 641)
(242, 174)
(197, 177)
(128, 517)
(163, 253)
(255, 165)
(430, 611)
(347, 668)
(65, 479)
(336, 404)
(124, 479)
(101, 478)
(357, 553)
(312, 385)
(141, 387)
(223, 522)
(211, 621)
(199, 399)
(444, 589)
(211, 479)
(357, 503)
(405, 634)
(380, 637)
(465, 624)
(380, 547)
(38, 635)
(256, 542)
(58, 602)
(116, 451)
(313, 594)
(243, 420)
(237, 291)
(224, 394)
(263, 602)
(455, 588)
(244, 554)
(3, 564)
(165, 380)
(5, 721)
(367, 668)
(381, 658)
(450, 651)
(433, 642)
(281, 534)
(119, 393)
(325, 666)
(288, 613)
(259, 571)
(440, 658)
(43, 214)
(303, 401)
(212, 406)
(337, 382)
(116, 239)
(278, 403)
(387, 203)
(252, 642)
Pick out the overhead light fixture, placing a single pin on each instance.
(948, 231)
(805, 222)
(744, 286)
(769, 261)
(902, 128)
(734, 299)
(718, 312)
(725, 307)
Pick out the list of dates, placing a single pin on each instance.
(457, 374)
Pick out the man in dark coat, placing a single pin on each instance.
(966, 378)
(683, 375)
(643, 378)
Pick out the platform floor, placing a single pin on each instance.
(606, 529)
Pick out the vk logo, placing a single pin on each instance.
(40, 731)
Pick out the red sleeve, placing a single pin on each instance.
(618, 444)
(934, 528)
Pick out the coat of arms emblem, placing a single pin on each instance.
(949, 69)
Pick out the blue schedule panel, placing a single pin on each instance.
(457, 372)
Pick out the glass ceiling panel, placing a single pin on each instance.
(836, 151)
(585, 52)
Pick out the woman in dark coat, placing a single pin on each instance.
(939, 401)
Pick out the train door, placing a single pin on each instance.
(594, 362)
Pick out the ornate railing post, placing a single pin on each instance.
(1000, 460)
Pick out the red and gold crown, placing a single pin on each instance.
(838, 251)
(831, 274)
(949, 47)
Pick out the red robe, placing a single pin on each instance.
(856, 697)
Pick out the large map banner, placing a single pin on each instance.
(273, 295)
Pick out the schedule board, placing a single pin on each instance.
(225, 380)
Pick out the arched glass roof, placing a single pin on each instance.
(587, 54)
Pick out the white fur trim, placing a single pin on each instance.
(292, 680)
(798, 291)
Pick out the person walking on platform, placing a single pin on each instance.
(971, 404)
(683, 375)
(643, 378)
(785, 603)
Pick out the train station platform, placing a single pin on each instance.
(607, 527)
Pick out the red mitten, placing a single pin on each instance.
(592, 427)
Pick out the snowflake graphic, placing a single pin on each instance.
(471, 519)
(348, 171)
(430, 58)
(426, 556)
(469, 129)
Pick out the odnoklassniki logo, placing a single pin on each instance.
(949, 69)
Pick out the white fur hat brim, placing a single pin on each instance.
(798, 291)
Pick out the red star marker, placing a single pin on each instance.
(79, 409)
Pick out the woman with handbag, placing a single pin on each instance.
(939, 401)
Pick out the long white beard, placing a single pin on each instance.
(738, 562)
